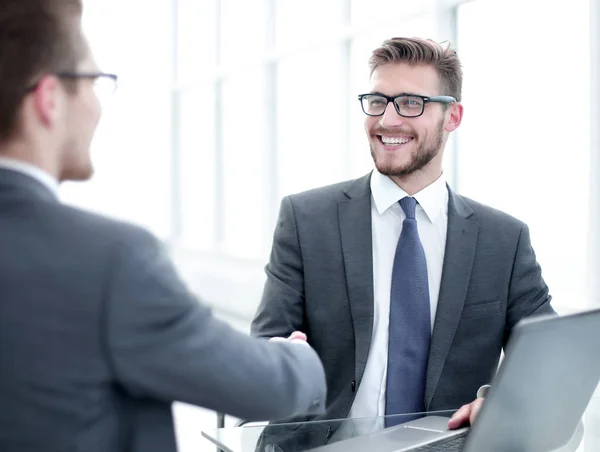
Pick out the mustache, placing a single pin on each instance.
(399, 131)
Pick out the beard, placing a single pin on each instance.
(424, 154)
(76, 164)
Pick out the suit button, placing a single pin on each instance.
(353, 385)
(328, 433)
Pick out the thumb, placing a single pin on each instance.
(298, 335)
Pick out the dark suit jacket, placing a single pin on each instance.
(98, 336)
(320, 281)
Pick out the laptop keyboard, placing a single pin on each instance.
(453, 445)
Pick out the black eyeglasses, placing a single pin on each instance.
(407, 105)
(103, 82)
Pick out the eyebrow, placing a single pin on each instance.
(396, 95)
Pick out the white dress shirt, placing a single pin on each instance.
(387, 217)
(32, 171)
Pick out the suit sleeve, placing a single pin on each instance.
(528, 293)
(163, 343)
(281, 310)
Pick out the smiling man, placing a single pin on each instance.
(407, 291)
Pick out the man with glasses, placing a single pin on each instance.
(407, 291)
(98, 335)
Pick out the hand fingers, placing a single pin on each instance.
(460, 417)
(295, 336)
(298, 335)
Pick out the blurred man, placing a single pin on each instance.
(407, 291)
(98, 334)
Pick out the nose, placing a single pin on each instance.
(390, 117)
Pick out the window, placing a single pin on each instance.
(226, 106)
(310, 141)
(132, 147)
(377, 14)
(243, 34)
(292, 20)
(524, 142)
(266, 110)
(197, 167)
(196, 41)
(273, 110)
(244, 164)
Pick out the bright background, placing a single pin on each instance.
(225, 106)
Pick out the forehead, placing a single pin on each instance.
(396, 78)
(87, 62)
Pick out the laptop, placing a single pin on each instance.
(544, 384)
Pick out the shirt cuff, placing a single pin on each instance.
(482, 392)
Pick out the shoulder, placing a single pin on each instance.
(327, 192)
(329, 196)
(489, 215)
(86, 227)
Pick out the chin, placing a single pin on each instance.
(392, 171)
(79, 174)
(392, 167)
(85, 174)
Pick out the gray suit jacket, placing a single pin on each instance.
(320, 281)
(98, 336)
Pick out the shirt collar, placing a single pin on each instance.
(32, 171)
(433, 198)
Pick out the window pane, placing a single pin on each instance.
(244, 157)
(362, 47)
(310, 115)
(520, 150)
(386, 13)
(196, 39)
(197, 167)
(243, 31)
(293, 18)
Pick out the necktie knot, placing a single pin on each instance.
(409, 205)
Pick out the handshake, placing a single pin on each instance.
(296, 336)
(463, 416)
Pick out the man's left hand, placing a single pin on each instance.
(465, 415)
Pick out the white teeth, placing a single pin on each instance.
(395, 140)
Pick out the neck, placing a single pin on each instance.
(415, 182)
(33, 155)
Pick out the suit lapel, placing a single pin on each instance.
(461, 241)
(355, 231)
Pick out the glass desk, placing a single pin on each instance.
(303, 436)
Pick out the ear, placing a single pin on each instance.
(454, 116)
(47, 100)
